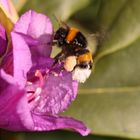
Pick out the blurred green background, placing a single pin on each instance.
(109, 101)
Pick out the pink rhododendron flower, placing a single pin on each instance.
(32, 90)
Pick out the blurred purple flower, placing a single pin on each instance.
(3, 41)
(32, 90)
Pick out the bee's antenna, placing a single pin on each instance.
(64, 24)
(57, 20)
(60, 22)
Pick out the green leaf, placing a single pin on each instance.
(62, 9)
(108, 12)
(122, 24)
(86, 16)
(110, 100)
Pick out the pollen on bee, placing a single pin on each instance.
(70, 63)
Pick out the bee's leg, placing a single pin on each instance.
(59, 57)
(55, 42)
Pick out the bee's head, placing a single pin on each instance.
(60, 35)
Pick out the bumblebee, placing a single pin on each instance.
(74, 53)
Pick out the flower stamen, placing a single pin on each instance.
(40, 76)
(35, 94)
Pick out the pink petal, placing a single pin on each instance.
(48, 122)
(57, 95)
(14, 110)
(39, 27)
(22, 58)
(9, 9)
(5, 4)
